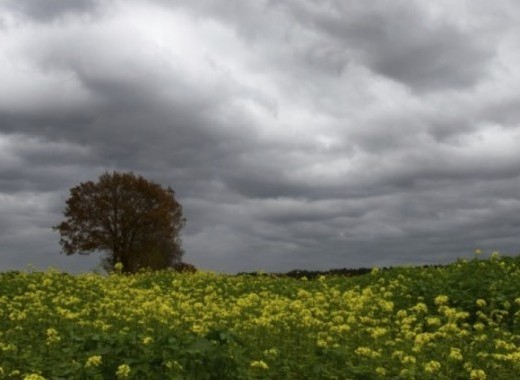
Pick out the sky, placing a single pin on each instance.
(297, 134)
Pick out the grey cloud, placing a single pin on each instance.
(32, 163)
(410, 163)
(459, 223)
(402, 42)
(295, 151)
(246, 17)
(329, 58)
(49, 10)
(503, 111)
(288, 210)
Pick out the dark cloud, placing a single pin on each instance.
(296, 135)
(402, 41)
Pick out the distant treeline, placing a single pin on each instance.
(347, 272)
(298, 273)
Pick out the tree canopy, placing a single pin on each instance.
(135, 221)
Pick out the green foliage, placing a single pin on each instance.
(460, 321)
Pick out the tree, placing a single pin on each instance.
(135, 221)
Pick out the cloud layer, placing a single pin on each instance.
(297, 134)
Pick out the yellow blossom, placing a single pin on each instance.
(380, 371)
(7, 347)
(455, 354)
(147, 340)
(432, 366)
(408, 360)
(386, 305)
(322, 343)
(173, 365)
(259, 364)
(93, 361)
(118, 267)
(401, 314)
(271, 352)
(367, 352)
(513, 357)
(398, 354)
(378, 332)
(441, 300)
(501, 344)
(433, 321)
(420, 308)
(52, 336)
(33, 376)
(123, 371)
(477, 374)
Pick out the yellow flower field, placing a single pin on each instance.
(461, 321)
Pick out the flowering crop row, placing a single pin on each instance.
(461, 321)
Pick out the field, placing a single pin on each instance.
(461, 321)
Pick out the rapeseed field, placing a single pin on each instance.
(460, 321)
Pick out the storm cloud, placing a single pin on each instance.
(296, 134)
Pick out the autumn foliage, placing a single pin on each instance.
(135, 221)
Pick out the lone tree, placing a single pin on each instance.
(135, 221)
